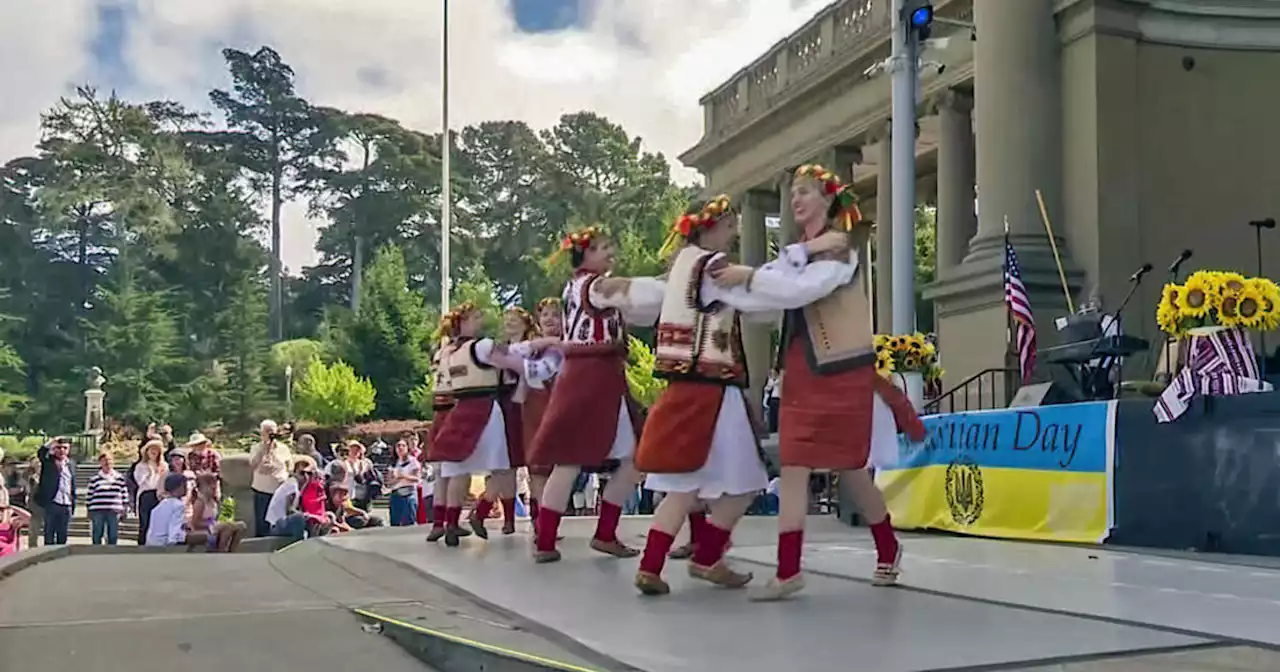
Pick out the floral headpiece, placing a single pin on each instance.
(686, 224)
(530, 325)
(578, 240)
(551, 302)
(847, 214)
(451, 320)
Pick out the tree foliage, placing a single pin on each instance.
(333, 395)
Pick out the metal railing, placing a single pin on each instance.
(987, 389)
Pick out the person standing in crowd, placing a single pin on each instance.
(201, 456)
(57, 492)
(591, 420)
(270, 463)
(700, 442)
(836, 404)
(307, 446)
(406, 474)
(361, 478)
(773, 400)
(12, 520)
(107, 499)
(165, 435)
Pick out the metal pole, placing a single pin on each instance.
(903, 141)
(446, 188)
(1262, 335)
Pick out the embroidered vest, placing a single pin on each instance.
(442, 389)
(697, 340)
(584, 323)
(467, 376)
(836, 328)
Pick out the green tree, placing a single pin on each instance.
(389, 339)
(333, 395)
(645, 387)
(277, 137)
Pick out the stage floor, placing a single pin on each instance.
(964, 604)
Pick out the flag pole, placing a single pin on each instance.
(446, 190)
(1010, 350)
(1053, 244)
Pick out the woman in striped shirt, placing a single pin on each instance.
(108, 495)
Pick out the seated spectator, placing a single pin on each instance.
(225, 536)
(201, 457)
(362, 480)
(347, 516)
(307, 446)
(12, 520)
(108, 499)
(169, 525)
(313, 502)
(284, 516)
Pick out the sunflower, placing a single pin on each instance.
(1229, 310)
(933, 373)
(1198, 294)
(1270, 306)
(884, 362)
(1249, 302)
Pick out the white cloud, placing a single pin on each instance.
(642, 63)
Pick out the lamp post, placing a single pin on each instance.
(288, 390)
(446, 191)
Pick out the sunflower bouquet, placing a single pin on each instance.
(1219, 299)
(910, 353)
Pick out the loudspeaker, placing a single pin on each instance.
(1043, 394)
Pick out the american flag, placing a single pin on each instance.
(1019, 304)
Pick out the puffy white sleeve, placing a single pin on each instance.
(638, 299)
(781, 286)
(486, 353)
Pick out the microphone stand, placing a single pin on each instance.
(1258, 226)
(1133, 288)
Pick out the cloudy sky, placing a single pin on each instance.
(642, 63)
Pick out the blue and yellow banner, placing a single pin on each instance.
(1023, 473)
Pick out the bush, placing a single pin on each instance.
(21, 449)
(227, 510)
(422, 397)
(645, 387)
(334, 394)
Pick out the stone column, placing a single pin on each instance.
(957, 220)
(884, 232)
(787, 233)
(1018, 80)
(756, 337)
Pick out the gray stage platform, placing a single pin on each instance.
(965, 604)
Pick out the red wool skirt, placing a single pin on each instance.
(825, 420)
(437, 422)
(679, 428)
(531, 412)
(461, 432)
(581, 420)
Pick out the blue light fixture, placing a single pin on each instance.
(921, 17)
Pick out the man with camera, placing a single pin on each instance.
(270, 463)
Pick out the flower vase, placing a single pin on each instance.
(912, 384)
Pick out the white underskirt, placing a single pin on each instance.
(733, 465)
(884, 435)
(490, 453)
(624, 440)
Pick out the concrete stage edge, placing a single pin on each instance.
(965, 604)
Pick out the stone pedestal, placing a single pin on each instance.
(756, 338)
(94, 413)
(237, 476)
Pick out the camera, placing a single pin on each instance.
(283, 431)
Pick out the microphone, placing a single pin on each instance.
(1267, 223)
(1137, 275)
(1173, 268)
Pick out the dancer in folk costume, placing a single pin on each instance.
(550, 319)
(442, 402)
(700, 440)
(835, 404)
(591, 421)
(517, 327)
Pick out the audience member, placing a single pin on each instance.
(12, 520)
(345, 514)
(201, 457)
(57, 492)
(362, 480)
(169, 525)
(284, 515)
(224, 536)
(108, 498)
(405, 476)
(307, 446)
(270, 463)
(149, 475)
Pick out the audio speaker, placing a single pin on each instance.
(1043, 394)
